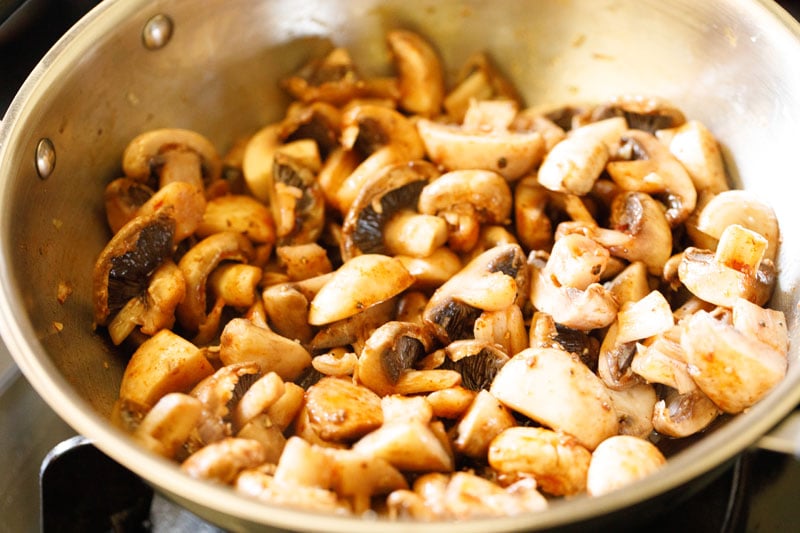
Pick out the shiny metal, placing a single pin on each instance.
(730, 63)
(157, 32)
(45, 158)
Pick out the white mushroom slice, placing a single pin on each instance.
(235, 283)
(576, 261)
(264, 487)
(765, 325)
(575, 163)
(304, 261)
(663, 361)
(351, 186)
(469, 496)
(466, 199)
(484, 420)
(408, 446)
(409, 233)
(533, 227)
(434, 270)
(285, 408)
(680, 415)
(169, 423)
(186, 203)
(505, 328)
(122, 199)
(554, 389)
(614, 361)
(357, 478)
(420, 73)
(693, 144)
(355, 330)
(342, 411)
(735, 270)
(216, 393)
(222, 461)
(162, 364)
(631, 284)
(198, 263)
(303, 465)
(425, 381)
(262, 429)
(477, 80)
(450, 403)
(619, 461)
(509, 153)
(139, 155)
(338, 363)
(556, 460)
(237, 212)
(644, 318)
(399, 408)
(406, 504)
(635, 406)
(361, 282)
(243, 341)
(742, 208)
(591, 308)
(733, 369)
(654, 170)
(258, 398)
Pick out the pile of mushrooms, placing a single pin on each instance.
(430, 302)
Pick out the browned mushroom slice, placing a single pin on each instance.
(635, 406)
(546, 333)
(478, 79)
(243, 341)
(355, 330)
(174, 154)
(123, 197)
(733, 369)
(198, 263)
(484, 141)
(390, 351)
(361, 282)
(185, 201)
(699, 152)
(421, 80)
(238, 212)
(123, 269)
(366, 127)
(409, 446)
(319, 121)
(222, 461)
(551, 387)
(395, 188)
(342, 411)
(335, 80)
(680, 415)
(485, 418)
(641, 112)
(454, 307)
(298, 206)
(478, 362)
(644, 164)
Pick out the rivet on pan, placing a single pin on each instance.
(157, 32)
(45, 158)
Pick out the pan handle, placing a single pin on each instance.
(785, 437)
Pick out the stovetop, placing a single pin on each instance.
(50, 475)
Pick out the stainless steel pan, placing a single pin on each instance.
(212, 66)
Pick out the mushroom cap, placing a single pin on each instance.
(122, 270)
(421, 79)
(487, 192)
(137, 159)
(394, 188)
(642, 112)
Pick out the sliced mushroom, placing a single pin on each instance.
(466, 199)
(575, 163)
(237, 212)
(393, 189)
(319, 121)
(478, 79)
(683, 414)
(122, 198)
(162, 364)
(361, 282)
(635, 407)
(693, 144)
(554, 389)
(483, 141)
(304, 261)
(222, 461)
(185, 154)
(167, 426)
(243, 341)
(557, 461)
(123, 269)
(296, 200)
(644, 318)
(485, 418)
(434, 270)
(469, 496)
(619, 461)
(357, 478)
(478, 362)
(614, 361)
(647, 113)
(342, 411)
(185, 202)
(504, 328)
(545, 333)
(533, 225)
(367, 127)
(651, 168)
(735, 270)
(390, 351)
(454, 307)
(354, 330)
(198, 263)
(409, 446)
(663, 360)
(737, 207)
(733, 369)
(421, 80)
